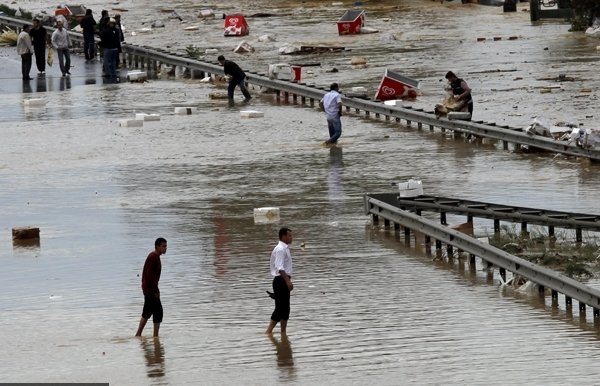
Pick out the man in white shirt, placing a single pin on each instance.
(61, 43)
(332, 104)
(25, 49)
(281, 270)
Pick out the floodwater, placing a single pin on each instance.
(365, 308)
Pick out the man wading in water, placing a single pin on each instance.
(150, 278)
(281, 270)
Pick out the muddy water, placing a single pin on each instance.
(365, 308)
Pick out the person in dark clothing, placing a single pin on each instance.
(104, 19)
(88, 25)
(121, 39)
(39, 38)
(238, 78)
(150, 278)
(461, 90)
(111, 44)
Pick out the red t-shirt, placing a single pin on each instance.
(151, 274)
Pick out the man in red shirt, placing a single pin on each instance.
(150, 278)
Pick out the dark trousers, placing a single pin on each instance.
(25, 65)
(40, 57)
(64, 59)
(282, 299)
(89, 46)
(242, 84)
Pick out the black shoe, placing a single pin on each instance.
(271, 294)
(27, 78)
(247, 99)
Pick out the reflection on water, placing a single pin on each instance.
(65, 83)
(334, 175)
(285, 357)
(40, 84)
(154, 353)
(27, 87)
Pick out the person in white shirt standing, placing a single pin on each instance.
(25, 49)
(332, 104)
(61, 43)
(281, 270)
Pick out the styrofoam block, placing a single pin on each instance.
(411, 188)
(251, 114)
(137, 75)
(266, 215)
(147, 117)
(34, 102)
(394, 102)
(359, 89)
(183, 110)
(130, 123)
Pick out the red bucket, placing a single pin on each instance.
(296, 73)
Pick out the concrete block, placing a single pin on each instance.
(251, 114)
(211, 51)
(37, 102)
(131, 123)
(266, 215)
(183, 110)
(147, 117)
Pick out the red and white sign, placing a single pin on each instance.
(396, 86)
(236, 25)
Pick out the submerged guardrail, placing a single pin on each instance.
(544, 277)
(153, 58)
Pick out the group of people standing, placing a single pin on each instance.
(33, 41)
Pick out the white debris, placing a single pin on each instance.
(459, 115)
(251, 114)
(205, 80)
(147, 117)
(211, 51)
(388, 37)
(192, 28)
(393, 102)
(131, 123)
(37, 102)
(183, 110)
(243, 47)
(205, 13)
(368, 30)
(137, 75)
(358, 60)
(266, 38)
(157, 24)
(411, 188)
(359, 89)
(266, 215)
(288, 49)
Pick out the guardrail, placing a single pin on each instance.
(152, 58)
(544, 277)
(497, 212)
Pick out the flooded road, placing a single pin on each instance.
(364, 309)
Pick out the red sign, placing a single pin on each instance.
(396, 86)
(236, 25)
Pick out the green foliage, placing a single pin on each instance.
(12, 11)
(193, 52)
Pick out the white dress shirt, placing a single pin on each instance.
(331, 102)
(281, 259)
